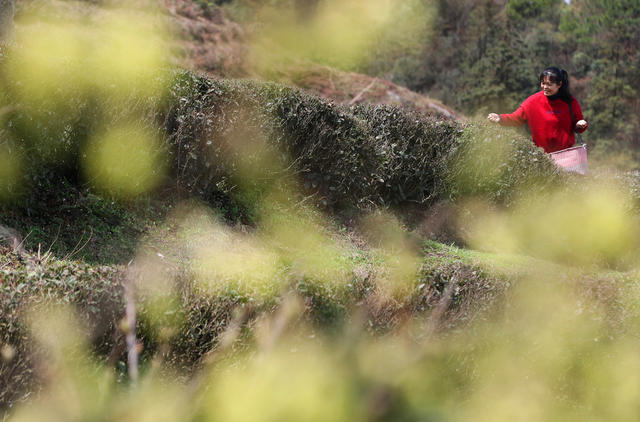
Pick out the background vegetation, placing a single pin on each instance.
(486, 55)
(483, 55)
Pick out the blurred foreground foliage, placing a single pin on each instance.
(251, 304)
(558, 345)
(187, 317)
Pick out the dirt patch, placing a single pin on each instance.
(208, 41)
(211, 43)
(355, 88)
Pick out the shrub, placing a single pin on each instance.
(363, 156)
(493, 164)
(29, 281)
(228, 142)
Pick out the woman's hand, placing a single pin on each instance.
(495, 118)
(581, 124)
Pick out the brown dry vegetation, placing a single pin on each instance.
(355, 88)
(213, 44)
(209, 41)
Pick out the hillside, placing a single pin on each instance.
(209, 42)
(217, 46)
(202, 244)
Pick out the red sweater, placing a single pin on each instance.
(549, 120)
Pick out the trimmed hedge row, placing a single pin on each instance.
(227, 142)
(363, 156)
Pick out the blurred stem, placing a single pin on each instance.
(132, 347)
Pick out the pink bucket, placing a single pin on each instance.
(572, 159)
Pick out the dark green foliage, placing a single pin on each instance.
(355, 157)
(501, 56)
(495, 165)
(70, 221)
(520, 10)
(485, 56)
(30, 281)
(606, 36)
(414, 153)
(358, 157)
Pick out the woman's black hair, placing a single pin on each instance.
(559, 76)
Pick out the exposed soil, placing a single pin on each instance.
(211, 43)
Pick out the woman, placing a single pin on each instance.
(553, 114)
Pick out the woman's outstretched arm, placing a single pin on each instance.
(516, 118)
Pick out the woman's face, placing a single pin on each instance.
(548, 87)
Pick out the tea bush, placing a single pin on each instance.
(231, 144)
(28, 282)
(362, 156)
(493, 164)
(229, 141)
